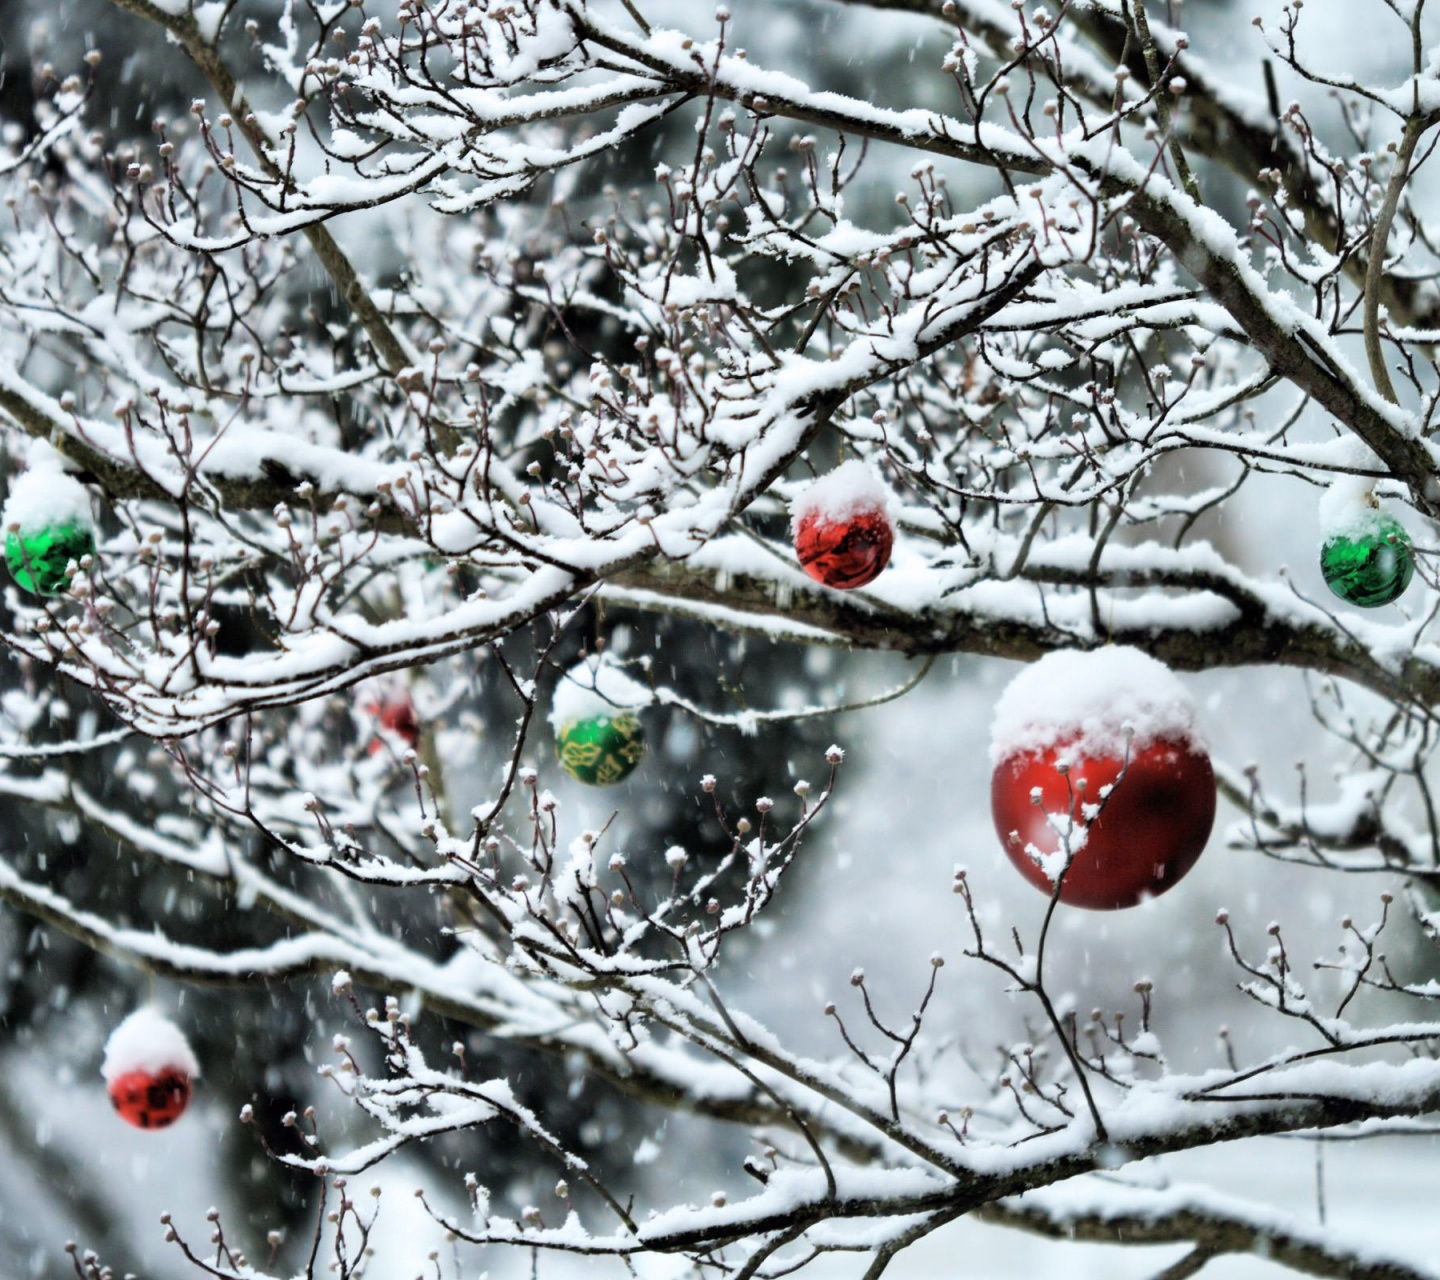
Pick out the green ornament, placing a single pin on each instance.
(1371, 567)
(601, 749)
(39, 557)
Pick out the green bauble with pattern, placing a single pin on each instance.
(1370, 567)
(38, 558)
(601, 749)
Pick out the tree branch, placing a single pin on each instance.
(1215, 1223)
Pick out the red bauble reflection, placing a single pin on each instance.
(150, 1100)
(1149, 831)
(847, 553)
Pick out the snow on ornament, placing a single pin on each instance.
(842, 528)
(1101, 777)
(1365, 554)
(598, 737)
(149, 1069)
(47, 526)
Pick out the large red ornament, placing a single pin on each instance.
(150, 1101)
(1138, 825)
(1101, 779)
(842, 528)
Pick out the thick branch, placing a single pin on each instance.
(1280, 332)
(280, 470)
(1250, 632)
(1216, 1224)
(1379, 239)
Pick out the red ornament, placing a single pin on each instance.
(150, 1100)
(1101, 780)
(396, 714)
(842, 528)
(1134, 835)
(148, 1069)
(845, 555)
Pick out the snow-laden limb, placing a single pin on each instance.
(58, 120)
(659, 1075)
(199, 42)
(543, 1005)
(1217, 1224)
(809, 1208)
(160, 955)
(1227, 618)
(269, 472)
(1350, 833)
(1363, 822)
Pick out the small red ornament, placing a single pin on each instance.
(842, 528)
(1098, 761)
(395, 713)
(149, 1070)
(150, 1101)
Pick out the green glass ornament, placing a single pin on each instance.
(1370, 568)
(39, 557)
(601, 750)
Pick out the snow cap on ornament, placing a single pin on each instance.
(1104, 698)
(1102, 781)
(1365, 554)
(842, 528)
(598, 737)
(47, 524)
(149, 1069)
